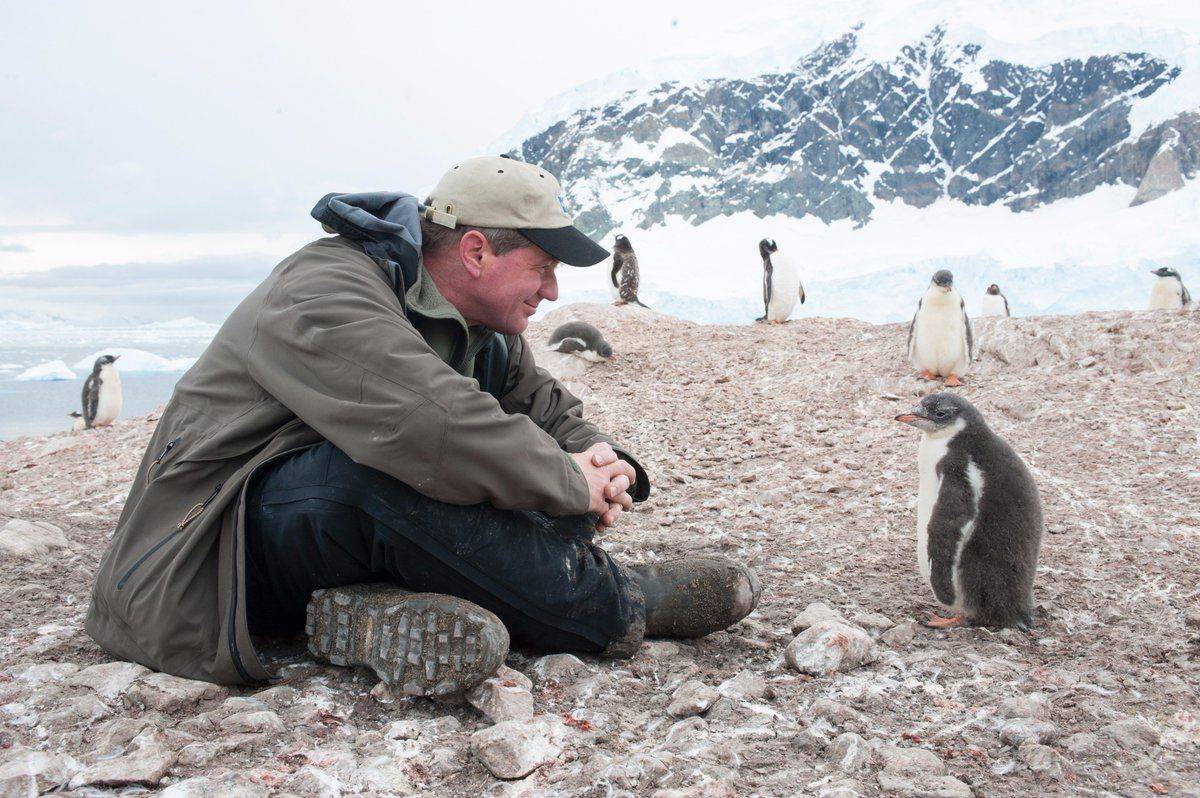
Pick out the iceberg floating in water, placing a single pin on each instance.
(43, 372)
(130, 360)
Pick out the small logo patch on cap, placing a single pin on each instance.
(562, 204)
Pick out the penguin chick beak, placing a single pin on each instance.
(912, 418)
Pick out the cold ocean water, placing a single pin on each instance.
(155, 357)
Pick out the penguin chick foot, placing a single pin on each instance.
(953, 381)
(928, 375)
(938, 622)
(620, 302)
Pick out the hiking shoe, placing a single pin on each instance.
(418, 643)
(695, 596)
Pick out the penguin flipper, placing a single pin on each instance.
(801, 295)
(91, 391)
(1185, 297)
(568, 345)
(970, 333)
(912, 327)
(953, 510)
(1007, 312)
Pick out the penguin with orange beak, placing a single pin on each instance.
(979, 517)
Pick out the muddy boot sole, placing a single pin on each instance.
(424, 644)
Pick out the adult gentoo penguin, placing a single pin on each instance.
(940, 340)
(994, 302)
(1169, 292)
(624, 276)
(979, 517)
(580, 339)
(781, 283)
(102, 393)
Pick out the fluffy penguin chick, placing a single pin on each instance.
(781, 283)
(979, 517)
(994, 302)
(624, 277)
(1169, 292)
(101, 396)
(940, 340)
(580, 339)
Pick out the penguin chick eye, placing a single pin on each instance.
(941, 412)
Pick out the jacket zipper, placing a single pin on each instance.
(165, 451)
(188, 518)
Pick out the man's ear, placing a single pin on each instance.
(473, 247)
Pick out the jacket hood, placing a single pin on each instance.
(386, 223)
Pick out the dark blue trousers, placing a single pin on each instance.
(317, 519)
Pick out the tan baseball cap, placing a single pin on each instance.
(497, 191)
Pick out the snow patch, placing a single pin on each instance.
(131, 360)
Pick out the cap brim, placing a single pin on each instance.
(567, 245)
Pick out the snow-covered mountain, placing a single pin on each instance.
(841, 132)
(1061, 165)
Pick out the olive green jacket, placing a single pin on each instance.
(321, 350)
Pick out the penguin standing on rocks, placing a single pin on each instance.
(102, 393)
(940, 340)
(979, 517)
(781, 283)
(994, 302)
(582, 340)
(624, 276)
(1169, 292)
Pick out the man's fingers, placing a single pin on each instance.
(625, 500)
(603, 455)
(615, 488)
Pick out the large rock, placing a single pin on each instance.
(109, 679)
(827, 647)
(253, 722)
(24, 540)
(815, 613)
(505, 696)
(1026, 730)
(515, 748)
(1034, 705)
(923, 786)
(848, 752)
(1132, 732)
(167, 693)
(562, 668)
(693, 697)
(910, 761)
(745, 686)
(146, 762)
(27, 772)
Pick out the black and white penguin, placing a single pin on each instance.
(1169, 292)
(781, 283)
(940, 340)
(624, 277)
(994, 302)
(102, 393)
(582, 340)
(979, 517)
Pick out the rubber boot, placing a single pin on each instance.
(695, 596)
(426, 644)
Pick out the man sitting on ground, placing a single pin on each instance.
(366, 451)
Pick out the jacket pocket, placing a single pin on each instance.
(191, 515)
(166, 450)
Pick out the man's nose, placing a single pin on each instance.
(549, 290)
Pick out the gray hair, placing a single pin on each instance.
(435, 237)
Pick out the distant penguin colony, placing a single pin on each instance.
(101, 396)
(624, 275)
(781, 283)
(994, 302)
(940, 340)
(582, 340)
(979, 517)
(1169, 292)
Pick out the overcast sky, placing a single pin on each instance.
(150, 131)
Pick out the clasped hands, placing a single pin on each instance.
(609, 479)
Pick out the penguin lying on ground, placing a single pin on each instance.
(979, 517)
(1169, 292)
(582, 340)
(994, 302)
(102, 393)
(940, 340)
(781, 283)
(624, 277)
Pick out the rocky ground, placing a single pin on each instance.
(771, 444)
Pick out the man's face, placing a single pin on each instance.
(512, 285)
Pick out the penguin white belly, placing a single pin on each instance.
(993, 305)
(1167, 294)
(940, 343)
(108, 403)
(785, 289)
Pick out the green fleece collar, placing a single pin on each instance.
(441, 325)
